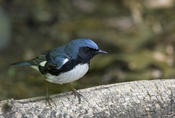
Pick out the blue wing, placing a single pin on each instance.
(56, 58)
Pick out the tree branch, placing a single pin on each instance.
(154, 98)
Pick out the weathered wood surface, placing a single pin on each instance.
(139, 99)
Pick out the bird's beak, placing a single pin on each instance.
(102, 52)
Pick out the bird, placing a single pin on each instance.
(67, 63)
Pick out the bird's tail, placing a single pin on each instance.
(23, 63)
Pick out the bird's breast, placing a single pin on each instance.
(65, 77)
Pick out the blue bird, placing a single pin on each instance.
(67, 63)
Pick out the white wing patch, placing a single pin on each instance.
(43, 63)
(76, 73)
(66, 60)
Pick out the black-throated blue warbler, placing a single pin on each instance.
(67, 63)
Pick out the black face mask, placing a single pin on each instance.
(86, 53)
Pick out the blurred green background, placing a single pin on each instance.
(138, 34)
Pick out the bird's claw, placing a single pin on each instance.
(49, 101)
(77, 94)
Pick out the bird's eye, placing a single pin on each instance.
(89, 50)
(93, 50)
(86, 49)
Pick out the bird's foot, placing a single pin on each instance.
(49, 101)
(77, 94)
(48, 98)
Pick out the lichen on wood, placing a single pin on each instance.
(138, 99)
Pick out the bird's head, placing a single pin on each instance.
(84, 48)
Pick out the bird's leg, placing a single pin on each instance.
(48, 99)
(77, 94)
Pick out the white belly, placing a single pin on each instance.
(76, 73)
